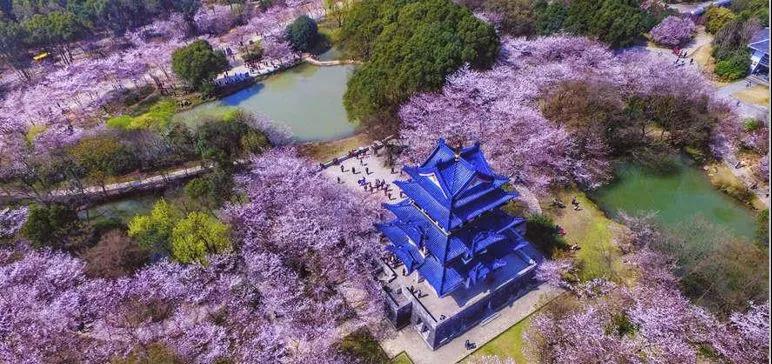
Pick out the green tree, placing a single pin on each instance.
(409, 46)
(99, 157)
(361, 27)
(549, 16)
(220, 140)
(198, 64)
(716, 18)
(154, 229)
(302, 33)
(56, 30)
(619, 23)
(49, 225)
(197, 235)
(13, 48)
(758, 9)
(211, 191)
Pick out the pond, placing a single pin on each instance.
(122, 209)
(307, 99)
(676, 198)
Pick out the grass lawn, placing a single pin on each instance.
(401, 358)
(589, 228)
(757, 95)
(509, 344)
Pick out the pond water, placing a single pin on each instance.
(122, 209)
(307, 99)
(676, 198)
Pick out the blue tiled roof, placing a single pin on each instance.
(444, 280)
(452, 211)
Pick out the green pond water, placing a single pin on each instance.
(123, 209)
(307, 99)
(676, 198)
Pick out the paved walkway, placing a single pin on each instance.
(371, 167)
(410, 341)
(743, 109)
(117, 189)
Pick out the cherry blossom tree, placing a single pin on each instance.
(215, 19)
(673, 31)
(500, 108)
(11, 221)
(301, 269)
(648, 320)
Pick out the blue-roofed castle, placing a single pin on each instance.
(457, 257)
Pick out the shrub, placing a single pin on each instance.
(49, 225)
(302, 33)
(542, 231)
(673, 31)
(734, 67)
(716, 18)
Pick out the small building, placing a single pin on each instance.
(456, 258)
(759, 48)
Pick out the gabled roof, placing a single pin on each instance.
(450, 228)
(453, 187)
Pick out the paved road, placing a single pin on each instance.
(743, 109)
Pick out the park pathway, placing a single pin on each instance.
(113, 190)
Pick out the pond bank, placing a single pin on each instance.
(675, 198)
(306, 99)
